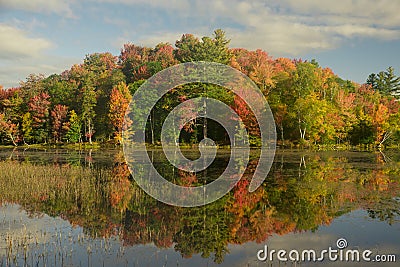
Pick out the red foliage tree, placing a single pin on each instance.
(247, 116)
(39, 108)
(119, 102)
(58, 115)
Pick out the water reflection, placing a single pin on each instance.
(93, 191)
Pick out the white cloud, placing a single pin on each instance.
(283, 28)
(170, 37)
(60, 7)
(22, 55)
(367, 12)
(182, 5)
(151, 40)
(16, 43)
(296, 27)
(12, 73)
(288, 27)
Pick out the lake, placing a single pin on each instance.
(82, 208)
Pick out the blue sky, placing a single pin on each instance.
(352, 37)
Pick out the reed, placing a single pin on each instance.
(27, 183)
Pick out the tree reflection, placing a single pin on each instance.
(105, 201)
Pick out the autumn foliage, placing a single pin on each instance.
(311, 105)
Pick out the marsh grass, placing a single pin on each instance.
(74, 193)
(26, 183)
(82, 195)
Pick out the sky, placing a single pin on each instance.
(352, 37)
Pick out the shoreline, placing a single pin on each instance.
(102, 146)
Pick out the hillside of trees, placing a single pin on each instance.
(311, 105)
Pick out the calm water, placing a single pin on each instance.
(68, 208)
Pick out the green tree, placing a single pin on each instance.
(209, 49)
(33, 86)
(373, 80)
(73, 127)
(314, 123)
(89, 101)
(190, 48)
(304, 79)
(103, 73)
(27, 127)
(392, 81)
(386, 82)
(61, 91)
(344, 102)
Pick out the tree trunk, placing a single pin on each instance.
(302, 133)
(386, 136)
(282, 136)
(12, 139)
(90, 131)
(205, 116)
(152, 126)
(205, 128)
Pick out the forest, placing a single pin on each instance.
(311, 105)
